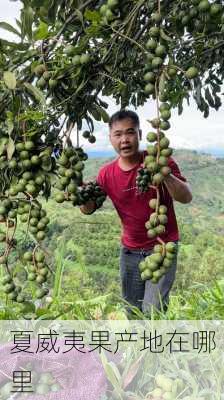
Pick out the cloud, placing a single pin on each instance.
(9, 12)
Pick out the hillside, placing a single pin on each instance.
(200, 222)
(205, 175)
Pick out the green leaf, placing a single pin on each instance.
(17, 46)
(162, 83)
(3, 142)
(27, 16)
(209, 98)
(218, 102)
(131, 373)
(93, 30)
(198, 97)
(31, 115)
(10, 148)
(9, 28)
(105, 116)
(180, 108)
(35, 92)
(112, 372)
(103, 103)
(80, 87)
(215, 87)
(9, 79)
(164, 36)
(47, 187)
(19, 24)
(10, 125)
(93, 16)
(16, 104)
(95, 111)
(52, 10)
(89, 123)
(41, 32)
(80, 16)
(46, 316)
(95, 300)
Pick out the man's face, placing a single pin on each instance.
(125, 137)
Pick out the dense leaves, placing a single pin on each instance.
(75, 50)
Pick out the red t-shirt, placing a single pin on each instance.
(133, 207)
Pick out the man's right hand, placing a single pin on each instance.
(89, 207)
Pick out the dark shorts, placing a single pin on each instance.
(144, 294)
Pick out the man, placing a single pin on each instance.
(118, 180)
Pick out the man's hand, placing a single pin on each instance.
(88, 208)
(178, 190)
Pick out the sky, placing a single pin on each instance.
(189, 131)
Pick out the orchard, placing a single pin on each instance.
(68, 57)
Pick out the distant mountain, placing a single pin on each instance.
(204, 172)
(101, 154)
(213, 151)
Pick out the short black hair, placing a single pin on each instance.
(124, 114)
